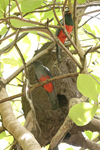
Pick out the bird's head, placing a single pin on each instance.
(36, 63)
(67, 11)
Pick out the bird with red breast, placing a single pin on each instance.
(61, 35)
(43, 73)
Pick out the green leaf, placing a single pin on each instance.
(2, 135)
(98, 30)
(81, 1)
(1, 13)
(18, 23)
(60, 1)
(87, 86)
(82, 113)
(26, 40)
(16, 107)
(98, 110)
(19, 76)
(10, 61)
(3, 30)
(1, 66)
(95, 134)
(4, 4)
(48, 14)
(89, 134)
(98, 142)
(70, 148)
(22, 123)
(30, 5)
(97, 81)
(38, 38)
(89, 29)
(1, 74)
(9, 138)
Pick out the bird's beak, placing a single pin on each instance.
(69, 12)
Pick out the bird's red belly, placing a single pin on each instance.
(61, 34)
(49, 86)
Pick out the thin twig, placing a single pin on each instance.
(93, 49)
(2, 129)
(14, 42)
(19, 80)
(77, 41)
(13, 145)
(55, 14)
(6, 37)
(9, 11)
(40, 84)
(9, 45)
(75, 22)
(27, 87)
(73, 43)
(22, 58)
(89, 61)
(64, 5)
(56, 39)
(61, 6)
(95, 37)
(19, 9)
(26, 20)
(28, 63)
(19, 85)
(88, 20)
(85, 5)
(63, 18)
(43, 29)
(45, 36)
(31, 105)
(88, 13)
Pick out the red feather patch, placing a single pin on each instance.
(49, 86)
(61, 34)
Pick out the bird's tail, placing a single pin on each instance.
(53, 100)
(58, 52)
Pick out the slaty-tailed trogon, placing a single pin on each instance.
(59, 33)
(43, 73)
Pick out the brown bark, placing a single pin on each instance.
(10, 122)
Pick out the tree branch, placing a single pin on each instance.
(88, 13)
(75, 22)
(40, 84)
(24, 137)
(19, 9)
(64, 129)
(56, 39)
(28, 63)
(6, 37)
(95, 37)
(55, 14)
(9, 45)
(2, 129)
(88, 20)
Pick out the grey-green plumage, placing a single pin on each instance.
(43, 73)
(59, 33)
